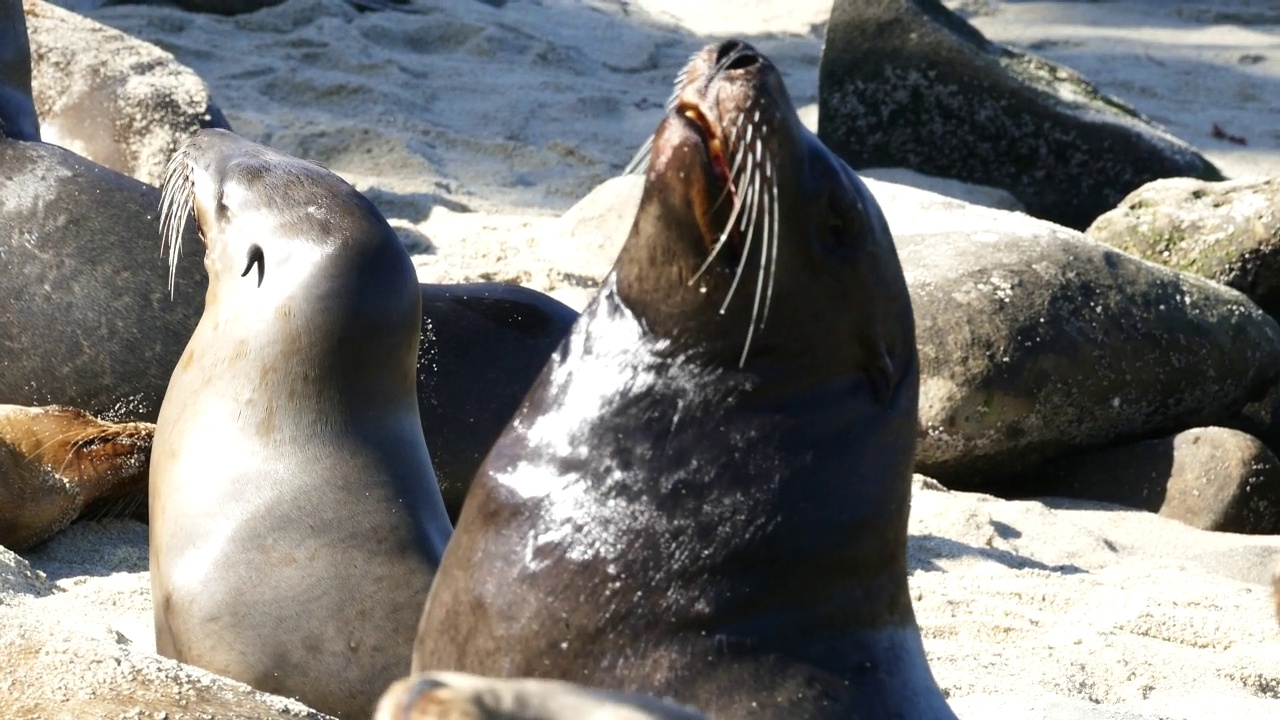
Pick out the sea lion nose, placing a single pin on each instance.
(736, 55)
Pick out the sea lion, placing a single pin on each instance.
(295, 518)
(705, 493)
(459, 696)
(55, 462)
(483, 345)
(17, 109)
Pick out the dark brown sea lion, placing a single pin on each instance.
(17, 109)
(705, 494)
(55, 462)
(295, 518)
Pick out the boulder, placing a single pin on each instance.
(1209, 478)
(1225, 231)
(119, 101)
(1036, 342)
(60, 663)
(907, 83)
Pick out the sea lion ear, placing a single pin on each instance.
(255, 257)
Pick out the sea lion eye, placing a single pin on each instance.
(256, 258)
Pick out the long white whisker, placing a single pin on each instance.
(739, 200)
(734, 180)
(640, 161)
(175, 207)
(764, 253)
(773, 260)
(750, 228)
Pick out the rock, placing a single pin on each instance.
(226, 7)
(1225, 231)
(112, 98)
(18, 581)
(91, 672)
(1275, 588)
(1209, 478)
(1036, 341)
(68, 652)
(453, 695)
(907, 83)
(983, 195)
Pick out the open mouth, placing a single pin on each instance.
(725, 195)
(715, 148)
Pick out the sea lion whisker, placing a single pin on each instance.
(767, 242)
(738, 201)
(731, 186)
(749, 227)
(772, 233)
(56, 439)
(176, 203)
(640, 161)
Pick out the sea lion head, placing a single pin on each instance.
(293, 252)
(754, 238)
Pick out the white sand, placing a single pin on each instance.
(474, 127)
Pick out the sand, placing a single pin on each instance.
(475, 128)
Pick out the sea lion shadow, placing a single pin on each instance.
(924, 549)
(415, 242)
(92, 548)
(405, 210)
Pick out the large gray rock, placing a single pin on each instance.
(1225, 231)
(1036, 341)
(60, 664)
(1209, 478)
(907, 83)
(112, 98)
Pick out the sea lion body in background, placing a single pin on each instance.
(89, 319)
(483, 345)
(17, 108)
(705, 494)
(295, 518)
(57, 462)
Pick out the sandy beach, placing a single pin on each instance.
(474, 128)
